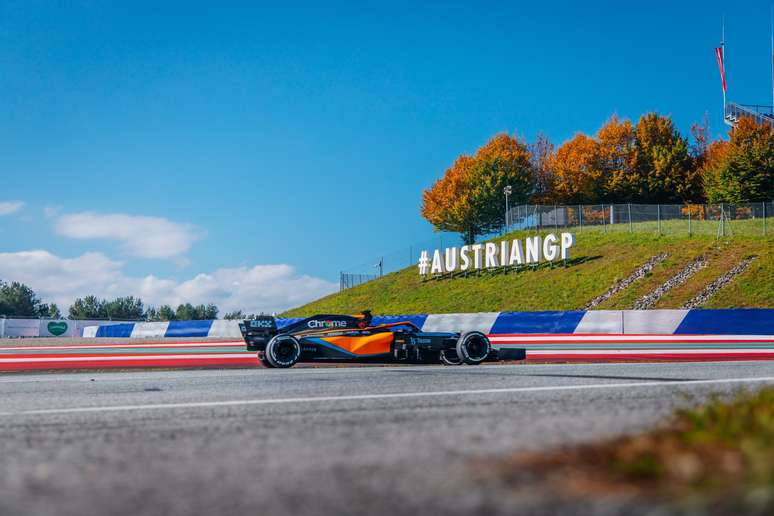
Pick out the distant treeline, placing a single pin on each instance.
(17, 299)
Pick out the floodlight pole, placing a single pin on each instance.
(507, 190)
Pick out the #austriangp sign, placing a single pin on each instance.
(532, 251)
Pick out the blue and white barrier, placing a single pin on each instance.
(755, 321)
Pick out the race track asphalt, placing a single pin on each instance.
(330, 441)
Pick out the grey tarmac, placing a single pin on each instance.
(338, 441)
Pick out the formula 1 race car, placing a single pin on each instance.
(344, 338)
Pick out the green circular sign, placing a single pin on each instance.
(57, 328)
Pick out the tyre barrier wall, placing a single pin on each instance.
(578, 322)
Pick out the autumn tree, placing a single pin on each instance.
(617, 143)
(662, 169)
(468, 199)
(741, 169)
(447, 203)
(503, 161)
(578, 171)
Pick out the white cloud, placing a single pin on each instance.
(51, 211)
(145, 237)
(261, 288)
(8, 207)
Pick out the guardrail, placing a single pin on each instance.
(760, 113)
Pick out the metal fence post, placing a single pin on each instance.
(764, 217)
(689, 220)
(722, 220)
(630, 218)
(604, 224)
(580, 217)
(538, 217)
(658, 214)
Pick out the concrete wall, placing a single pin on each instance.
(46, 327)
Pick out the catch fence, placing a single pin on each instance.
(349, 280)
(719, 220)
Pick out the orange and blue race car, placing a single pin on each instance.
(348, 338)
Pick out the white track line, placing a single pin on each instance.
(397, 395)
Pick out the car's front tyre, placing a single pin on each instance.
(473, 347)
(283, 351)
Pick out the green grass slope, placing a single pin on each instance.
(600, 259)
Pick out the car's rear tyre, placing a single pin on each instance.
(473, 347)
(450, 357)
(283, 351)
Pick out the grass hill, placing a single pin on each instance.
(600, 259)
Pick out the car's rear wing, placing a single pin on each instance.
(258, 332)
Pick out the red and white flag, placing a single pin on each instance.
(719, 55)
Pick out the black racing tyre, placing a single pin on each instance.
(263, 360)
(450, 357)
(283, 351)
(473, 347)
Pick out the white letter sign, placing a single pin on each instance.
(491, 255)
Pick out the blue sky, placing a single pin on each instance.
(248, 135)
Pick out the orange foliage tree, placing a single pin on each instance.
(446, 204)
(649, 162)
(468, 199)
(578, 174)
(617, 143)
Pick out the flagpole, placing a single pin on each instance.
(723, 54)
